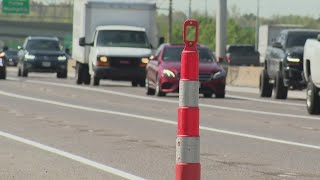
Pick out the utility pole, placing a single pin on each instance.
(221, 30)
(170, 22)
(206, 9)
(257, 24)
(190, 11)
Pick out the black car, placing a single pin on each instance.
(42, 54)
(12, 57)
(284, 63)
(3, 66)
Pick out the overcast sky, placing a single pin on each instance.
(267, 7)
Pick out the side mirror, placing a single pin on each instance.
(67, 51)
(277, 45)
(155, 58)
(82, 41)
(318, 37)
(161, 40)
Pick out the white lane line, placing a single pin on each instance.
(71, 156)
(164, 121)
(171, 101)
(266, 101)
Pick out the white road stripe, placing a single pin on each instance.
(266, 101)
(71, 156)
(171, 101)
(158, 120)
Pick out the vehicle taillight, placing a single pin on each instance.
(228, 58)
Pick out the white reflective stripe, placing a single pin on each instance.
(189, 93)
(188, 150)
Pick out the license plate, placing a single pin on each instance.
(46, 64)
(1, 62)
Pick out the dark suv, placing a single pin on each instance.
(242, 54)
(284, 63)
(42, 54)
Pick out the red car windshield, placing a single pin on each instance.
(174, 54)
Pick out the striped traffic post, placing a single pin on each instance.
(188, 139)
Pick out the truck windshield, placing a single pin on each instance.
(174, 54)
(112, 38)
(43, 45)
(300, 38)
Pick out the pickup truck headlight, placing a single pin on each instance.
(103, 59)
(218, 75)
(29, 57)
(292, 59)
(144, 60)
(62, 58)
(168, 73)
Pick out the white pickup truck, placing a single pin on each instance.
(311, 65)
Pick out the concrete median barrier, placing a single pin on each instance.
(243, 76)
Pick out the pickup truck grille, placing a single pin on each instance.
(124, 62)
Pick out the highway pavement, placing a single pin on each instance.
(53, 129)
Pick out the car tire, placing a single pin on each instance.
(207, 95)
(281, 92)
(265, 86)
(150, 91)
(96, 81)
(3, 73)
(25, 73)
(313, 98)
(79, 70)
(19, 72)
(158, 91)
(220, 95)
(134, 84)
(62, 75)
(142, 83)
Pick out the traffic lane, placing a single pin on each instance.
(142, 148)
(286, 128)
(21, 161)
(257, 104)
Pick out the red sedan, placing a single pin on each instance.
(163, 72)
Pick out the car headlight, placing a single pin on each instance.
(219, 74)
(292, 59)
(144, 60)
(62, 58)
(29, 57)
(168, 73)
(103, 59)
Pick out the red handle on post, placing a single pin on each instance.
(190, 23)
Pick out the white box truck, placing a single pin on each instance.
(268, 34)
(113, 39)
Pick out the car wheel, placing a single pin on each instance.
(24, 73)
(3, 73)
(150, 91)
(313, 98)
(142, 83)
(134, 84)
(96, 81)
(19, 71)
(158, 89)
(207, 95)
(62, 74)
(220, 95)
(79, 70)
(281, 92)
(265, 86)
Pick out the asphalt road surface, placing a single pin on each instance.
(54, 129)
